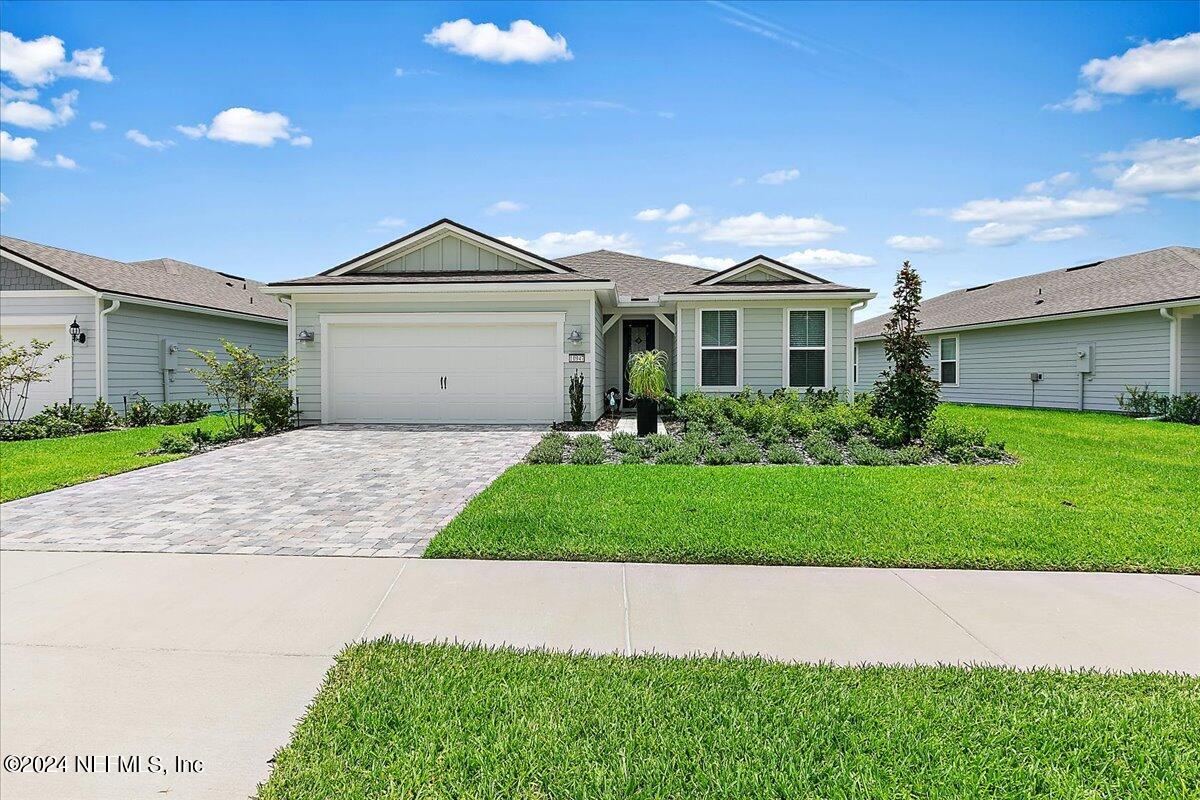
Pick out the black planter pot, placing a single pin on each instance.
(647, 415)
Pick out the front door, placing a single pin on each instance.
(638, 336)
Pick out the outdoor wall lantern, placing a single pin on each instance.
(575, 336)
(77, 334)
(306, 336)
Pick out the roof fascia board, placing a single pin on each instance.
(49, 272)
(298, 290)
(195, 309)
(1096, 312)
(423, 236)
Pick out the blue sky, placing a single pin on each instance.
(995, 139)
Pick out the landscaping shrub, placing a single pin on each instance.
(732, 436)
(772, 436)
(717, 456)
(195, 410)
(682, 454)
(141, 412)
(273, 407)
(960, 454)
(660, 442)
(1142, 401)
(910, 454)
(746, 453)
(21, 431)
(840, 422)
(943, 435)
(589, 449)
(200, 436)
(1184, 408)
(549, 450)
(907, 391)
(243, 378)
(624, 442)
(783, 454)
(100, 416)
(67, 412)
(575, 392)
(801, 423)
(53, 427)
(632, 458)
(863, 452)
(821, 449)
(176, 443)
(171, 414)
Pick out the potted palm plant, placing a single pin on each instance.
(648, 385)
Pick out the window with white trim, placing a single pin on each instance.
(806, 348)
(718, 348)
(948, 360)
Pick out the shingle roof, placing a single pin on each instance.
(1155, 276)
(361, 278)
(635, 276)
(768, 287)
(158, 279)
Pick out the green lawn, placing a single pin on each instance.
(39, 465)
(402, 720)
(1092, 492)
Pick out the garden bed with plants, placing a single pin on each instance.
(810, 429)
(66, 419)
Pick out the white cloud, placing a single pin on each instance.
(259, 128)
(831, 259)
(505, 207)
(408, 73)
(16, 148)
(779, 176)
(42, 61)
(523, 41)
(4, 201)
(914, 244)
(1059, 234)
(391, 222)
(1160, 166)
(1080, 101)
(1165, 65)
(1051, 183)
(193, 131)
(62, 162)
(554, 244)
(680, 212)
(142, 140)
(999, 234)
(26, 114)
(1080, 204)
(759, 230)
(97, 125)
(9, 93)
(692, 260)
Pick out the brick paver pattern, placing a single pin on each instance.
(334, 490)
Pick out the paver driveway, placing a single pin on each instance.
(333, 490)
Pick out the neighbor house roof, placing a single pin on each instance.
(162, 279)
(1166, 275)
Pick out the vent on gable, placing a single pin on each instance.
(1083, 266)
(977, 288)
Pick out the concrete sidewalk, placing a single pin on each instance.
(215, 657)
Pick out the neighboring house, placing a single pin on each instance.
(136, 321)
(1068, 338)
(447, 324)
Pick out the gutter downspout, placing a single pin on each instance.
(1173, 363)
(102, 346)
(861, 304)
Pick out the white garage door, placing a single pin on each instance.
(58, 388)
(443, 372)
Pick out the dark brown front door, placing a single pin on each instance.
(637, 335)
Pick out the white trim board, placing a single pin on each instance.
(298, 291)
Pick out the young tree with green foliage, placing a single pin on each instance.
(242, 381)
(20, 366)
(906, 392)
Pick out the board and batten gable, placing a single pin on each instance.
(577, 308)
(763, 350)
(450, 254)
(994, 364)
(26, 294)
(135, 333)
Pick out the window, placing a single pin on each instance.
(719, 348)
(948, 360)
(855, 364)
(806, 349)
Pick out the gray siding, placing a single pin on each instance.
(134, 362)
(995, 363)
(762, 344)
(1189, 352)
(16, 278)
(577, 307)
(451, 254)
(80, 307)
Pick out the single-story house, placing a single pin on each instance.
(448, 324)
(1069, 338)
(135, 321)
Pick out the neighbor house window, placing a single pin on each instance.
(718, 348)
(806, 348)
(948, 360)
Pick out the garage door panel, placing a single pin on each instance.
(58, 389)
(493, 373)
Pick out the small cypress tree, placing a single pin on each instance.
(906, 392)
